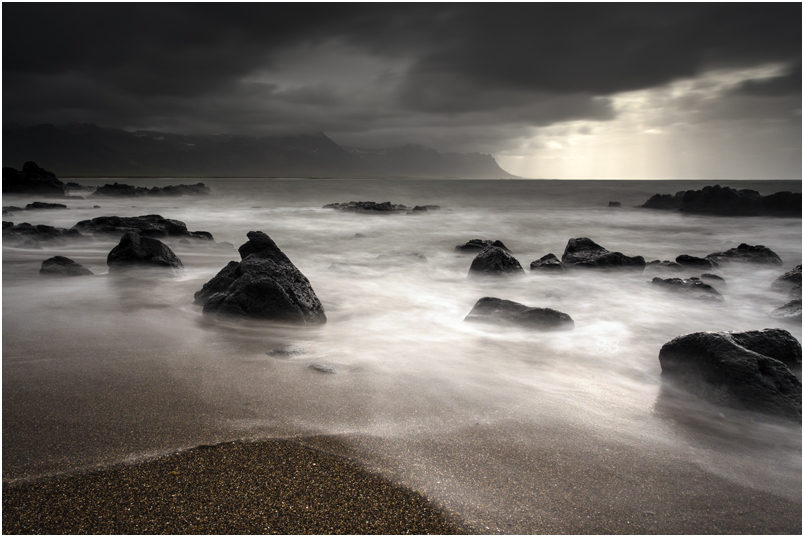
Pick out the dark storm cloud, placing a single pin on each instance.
(472, 66)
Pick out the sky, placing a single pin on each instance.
(559, 91)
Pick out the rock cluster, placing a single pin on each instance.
(123, 190)
(26, 235)
(725, 201)
(265, 284)
(497, 310)
(747, 370)
(380, 208)
(152, 225)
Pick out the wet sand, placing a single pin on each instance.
(312, 486)
(270, 487)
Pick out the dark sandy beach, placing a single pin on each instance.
(272, 487)
(311, 486)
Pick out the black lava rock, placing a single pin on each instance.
(134, 250)
(496, 310)
(548, 263)
(265, 284)
(584, 252)
(475, 245)
(494, 261)
(63, 266)
(732, 369)
(747, 254)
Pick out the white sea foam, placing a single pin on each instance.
(98, 369)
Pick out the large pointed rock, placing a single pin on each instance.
(738, 369)
(135, 250)
(265, 284)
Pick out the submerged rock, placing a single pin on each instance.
(403, 259)
(692, 287)
(584, 252)
(660, 267)
(790, 282)
(548, 263)
(494, 261)
(496, 310)
(63, 266)
(323, 368)
(135, 250)
(265, 284)
(746, 253)
(790, 311)
(713, 279)
(665, 201)
(369, 207)
(43, 205)
(738, 369)
(476, 245)
(697, 263)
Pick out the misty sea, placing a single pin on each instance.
(483, 419)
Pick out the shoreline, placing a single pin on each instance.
(265, 487)
(354, 485)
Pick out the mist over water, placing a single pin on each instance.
(115, 367)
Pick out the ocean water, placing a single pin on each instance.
(119, 367)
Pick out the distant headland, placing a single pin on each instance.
(88, 150)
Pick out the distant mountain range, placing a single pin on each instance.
(90, 151)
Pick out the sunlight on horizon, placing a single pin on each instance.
(671, 132)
